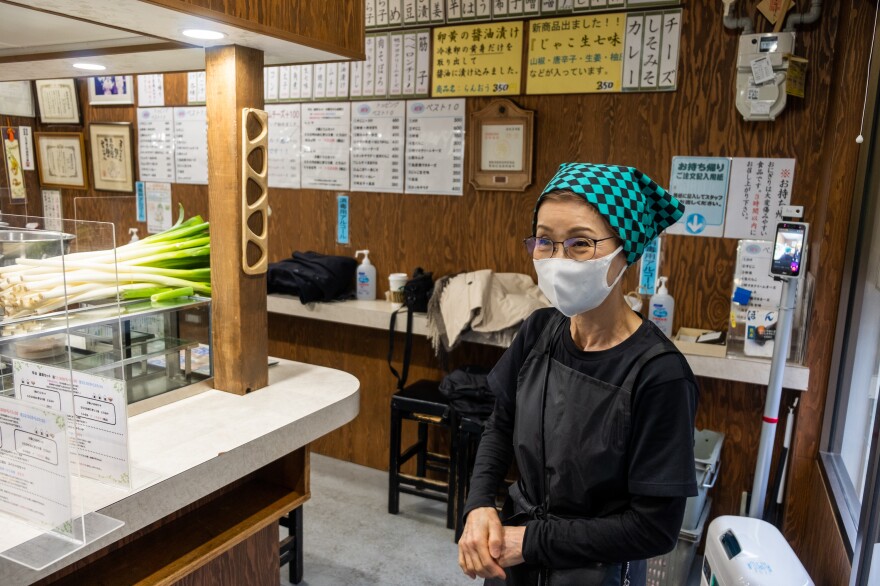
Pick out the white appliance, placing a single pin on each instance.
(761, 74)
(742, 551)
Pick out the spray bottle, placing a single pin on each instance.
(661, 309)
(365, 285)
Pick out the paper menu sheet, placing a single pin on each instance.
(191, 145)
(35, 466)
(96, 408)
(326, 144)
(435, 146)
(156, 144)
(377, 146)
(285, 151)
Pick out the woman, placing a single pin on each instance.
(594, 401)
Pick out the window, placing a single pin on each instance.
(851, 460)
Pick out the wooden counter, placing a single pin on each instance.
(212, 475)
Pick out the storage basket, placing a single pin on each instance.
(707, 451)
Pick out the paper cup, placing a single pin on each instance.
(396, 282)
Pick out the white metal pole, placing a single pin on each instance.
(774, 396)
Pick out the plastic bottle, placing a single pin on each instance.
(365, 286)
(661, 308)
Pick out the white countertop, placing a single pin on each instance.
(188, 449)
(377, 314)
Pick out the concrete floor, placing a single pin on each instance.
(351, 540)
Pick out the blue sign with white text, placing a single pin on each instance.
(342, 219)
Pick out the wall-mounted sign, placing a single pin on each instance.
(478, 59)
(501, 142)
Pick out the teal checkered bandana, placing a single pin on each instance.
(636, 207)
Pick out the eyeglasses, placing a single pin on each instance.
(574, 248)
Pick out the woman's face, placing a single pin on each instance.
(561, 219)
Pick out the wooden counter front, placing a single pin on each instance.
(212, 475)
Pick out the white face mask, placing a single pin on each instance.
(574, 286)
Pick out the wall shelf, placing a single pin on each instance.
(377, 314)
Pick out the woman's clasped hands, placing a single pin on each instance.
(486, 547)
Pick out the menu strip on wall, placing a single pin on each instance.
(191, 145)
(156, 144)
(435, 146)
(377, 146)
(285, 149)
(326, 142)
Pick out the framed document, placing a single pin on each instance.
(60, 160)
(16, 99)
(111, 152)
(111, 90)
(501, 144)
(57, 100)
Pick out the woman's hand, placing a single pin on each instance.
(481, 544)
(511, 553)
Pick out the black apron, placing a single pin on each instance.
(571, 439)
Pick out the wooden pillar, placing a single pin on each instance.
(240, 344)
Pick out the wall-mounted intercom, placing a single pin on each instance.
(761, 71)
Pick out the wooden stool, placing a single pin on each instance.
(423, 403)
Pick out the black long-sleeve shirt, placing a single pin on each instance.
(661, 463)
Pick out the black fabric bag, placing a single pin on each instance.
(313, 277)
(416, 293)
(467, 389)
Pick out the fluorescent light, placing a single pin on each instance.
(89, 66)
(204, 35)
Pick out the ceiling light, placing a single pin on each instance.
(204, 35)
(89, 66)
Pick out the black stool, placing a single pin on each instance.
(291, 549)
(423, 403)
(469, 432)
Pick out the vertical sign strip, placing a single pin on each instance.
(342, 219)
(632, 52)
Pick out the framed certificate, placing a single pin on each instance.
(500, 143)
(57, 100)
(111, 153)
(111, 90)
(60, 160)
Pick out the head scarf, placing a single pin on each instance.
(636, 208)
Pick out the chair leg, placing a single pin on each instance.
(460, 482)
(454, 456)
(295, 527)
(422, 454)
(394, 464)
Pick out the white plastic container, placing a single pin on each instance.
(661, 308)
(741, 550)
(365, 283)
(707, 461)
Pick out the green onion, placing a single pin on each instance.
(174, 263)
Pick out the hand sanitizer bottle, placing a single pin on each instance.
(661, 309)
(365, 285)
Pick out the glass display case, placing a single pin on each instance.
(70, 299)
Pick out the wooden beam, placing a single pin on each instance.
(234, 81)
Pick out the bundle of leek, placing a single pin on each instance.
(163, 266)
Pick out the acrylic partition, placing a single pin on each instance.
(63, 428)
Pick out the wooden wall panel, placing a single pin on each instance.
(823, 552)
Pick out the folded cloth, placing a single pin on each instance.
(313, 277)
(489, 303)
